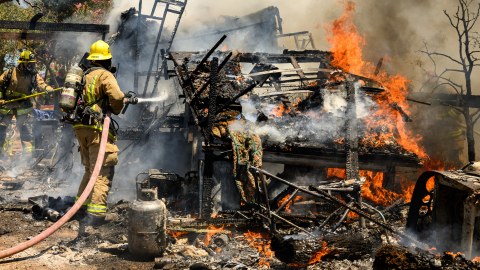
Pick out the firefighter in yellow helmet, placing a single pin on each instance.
(15, 83)
(102, 92)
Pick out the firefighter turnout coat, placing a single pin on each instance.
(21, 85)
(101, 87)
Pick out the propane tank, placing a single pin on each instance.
(147, 222)
(69, 96)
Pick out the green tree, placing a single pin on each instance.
(50, 52)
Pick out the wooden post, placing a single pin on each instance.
(389, 178)
(351, 139)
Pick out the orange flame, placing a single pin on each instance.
(346, 48)
(208, 237)
(373, 191)
(279, 111)
(256, 240)
(476, 259)
(287, 207)
(176, 234)
(346, 44)
(352, 214)
(316, 257)
(455, 255)
(319, 254)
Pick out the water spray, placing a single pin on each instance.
(155, 99)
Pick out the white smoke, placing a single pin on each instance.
(278, 129)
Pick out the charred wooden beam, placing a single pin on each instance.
(204, 60)
(237, 96)
(287, 201)
(204, 86)
(334, 214)
(351, 138)
(454, 100)
(342, 218)
(293, 34)
(223, 31)
(389, 178)
(300, 73)
(301, 57)
(351, 142)
(27, 36)
(366, 162)
(405, 116)
(55, 27)
(325, 196)
(212, 101)
(379, 66)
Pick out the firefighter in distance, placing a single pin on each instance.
(21, 81)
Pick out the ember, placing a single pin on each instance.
(279, 111)
(176, 234)
(318, 256)
(287, 207)
(455, 255)
(257, 240)
(208, 237)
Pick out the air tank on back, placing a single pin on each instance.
(69, 96)
(147, 221)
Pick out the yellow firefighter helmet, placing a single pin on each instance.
(26, 57)
(99, 51)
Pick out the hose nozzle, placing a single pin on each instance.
(130, 98)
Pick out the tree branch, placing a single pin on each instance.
(444, 55)
(476, 119)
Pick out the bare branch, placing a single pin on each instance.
(475, 18)
(30, 4)
(473, 114)
(455, 70)
(444, 55)
(475, 120)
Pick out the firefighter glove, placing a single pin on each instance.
(49, 90)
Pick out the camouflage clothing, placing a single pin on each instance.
(243, 157)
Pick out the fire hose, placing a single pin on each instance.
(37, 239)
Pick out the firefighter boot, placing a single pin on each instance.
(99, 220)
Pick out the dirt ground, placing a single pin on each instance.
(101, 249)
(104, 248)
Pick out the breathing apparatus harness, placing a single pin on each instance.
(83, 113)
(33, 85)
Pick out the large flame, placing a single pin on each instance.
(346, 46)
